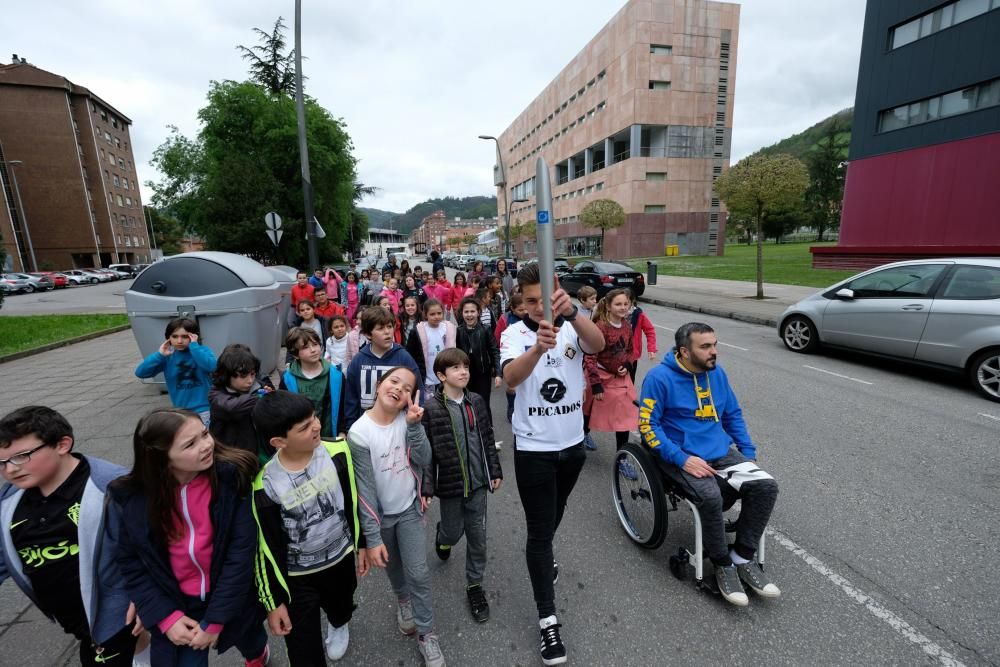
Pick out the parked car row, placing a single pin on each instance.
(41, 281)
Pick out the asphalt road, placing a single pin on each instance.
(883, 539)
(99, 298)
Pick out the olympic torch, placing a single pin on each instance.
(544, 235)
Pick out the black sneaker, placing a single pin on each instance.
(443, 551)
(552, 648)
(555, 573)
(478, 605)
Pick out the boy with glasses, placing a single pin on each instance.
(57, 537)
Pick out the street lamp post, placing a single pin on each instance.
(507, 221)
(502, 184)
(24, 218)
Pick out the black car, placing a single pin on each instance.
(603, 277)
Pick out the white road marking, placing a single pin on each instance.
(846, 377)
(878, 611)
(735, 347)
(983, 414)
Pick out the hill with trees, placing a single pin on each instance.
(453, 207)
(801, 144)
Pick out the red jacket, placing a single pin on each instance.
(330, 309)
(641, 325)
(457, 294)
(302, 293)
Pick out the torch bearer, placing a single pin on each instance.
(544, 235)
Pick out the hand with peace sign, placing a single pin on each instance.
(414, 413)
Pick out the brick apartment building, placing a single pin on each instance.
(444, 233)
(642, 115)
(69, 191)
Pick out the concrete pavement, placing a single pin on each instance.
(725, 298)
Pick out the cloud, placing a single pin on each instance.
(416, 82)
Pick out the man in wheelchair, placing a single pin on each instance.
(690, 418)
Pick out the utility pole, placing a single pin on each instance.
(300, 112)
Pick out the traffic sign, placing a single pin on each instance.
(543, 217)
(272, 221)
(274, 235)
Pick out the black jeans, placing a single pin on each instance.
(331, 591)
(544, 482)
(116, 651)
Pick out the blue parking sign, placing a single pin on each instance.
(543, 217)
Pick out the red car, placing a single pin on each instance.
(58, 279)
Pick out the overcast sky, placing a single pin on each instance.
(415, 82)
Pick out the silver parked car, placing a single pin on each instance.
(39, 283)
(937, 312)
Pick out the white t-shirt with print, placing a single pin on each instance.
(435, 344)
(548, 411)
(394, 481)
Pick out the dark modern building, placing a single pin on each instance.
(69, 190)
(923, 177)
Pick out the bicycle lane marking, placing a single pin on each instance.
(903, 628)
(735, 347)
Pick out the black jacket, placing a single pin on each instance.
(481, 347)
(145, 563)
(448, 476)
(230, 423)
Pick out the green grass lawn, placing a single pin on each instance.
(784, 264)
(24, 332)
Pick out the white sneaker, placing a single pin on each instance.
(498, 443)
(336, 641)
(430, 650)
(142, 658)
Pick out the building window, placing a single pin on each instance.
(125, 182)
(956, 102)
(107, 136)
(659, 85)
(656, 175)
(128, 202)
(120, 202)
(121, 164)
(118, 142)
(117, 182)
(655, 208)
(939, 19)
(111, 159)
(114, 123)
(661, 49)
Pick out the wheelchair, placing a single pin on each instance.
(644, 497)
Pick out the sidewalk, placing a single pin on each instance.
(725, 298)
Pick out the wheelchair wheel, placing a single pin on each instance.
(638, 496)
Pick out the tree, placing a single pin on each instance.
(270, 67)
(759, 184)
(826, 162)
(167, 234)
(244, 163)
(603, 214)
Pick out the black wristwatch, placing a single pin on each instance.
(572, 316)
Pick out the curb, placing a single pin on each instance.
(63, 343)
(709, 310)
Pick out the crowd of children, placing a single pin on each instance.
(248, 503)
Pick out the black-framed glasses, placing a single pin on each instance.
(20, 459)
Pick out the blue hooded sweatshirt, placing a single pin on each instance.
(188, 374)
(682, 414)
(363, 375)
